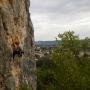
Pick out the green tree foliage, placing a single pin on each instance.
(46, 78)
(64, 69)
(72, 72)
(70, 42)
(85, 44)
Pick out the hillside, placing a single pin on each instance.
(46, 43)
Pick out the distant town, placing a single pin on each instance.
(43, 48)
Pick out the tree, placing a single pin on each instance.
(62, 70)
(85, 45)
(71, 72)
(70, 42)
(45, 73)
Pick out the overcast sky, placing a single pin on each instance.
(51, 17)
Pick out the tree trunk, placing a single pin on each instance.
(17, 64)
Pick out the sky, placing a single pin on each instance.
(51, 17)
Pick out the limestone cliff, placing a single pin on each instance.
(17, 65)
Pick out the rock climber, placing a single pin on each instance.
(17, 51)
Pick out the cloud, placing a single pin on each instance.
(51, 17)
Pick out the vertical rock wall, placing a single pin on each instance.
(16, 30)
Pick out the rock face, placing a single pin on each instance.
(17, 65)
